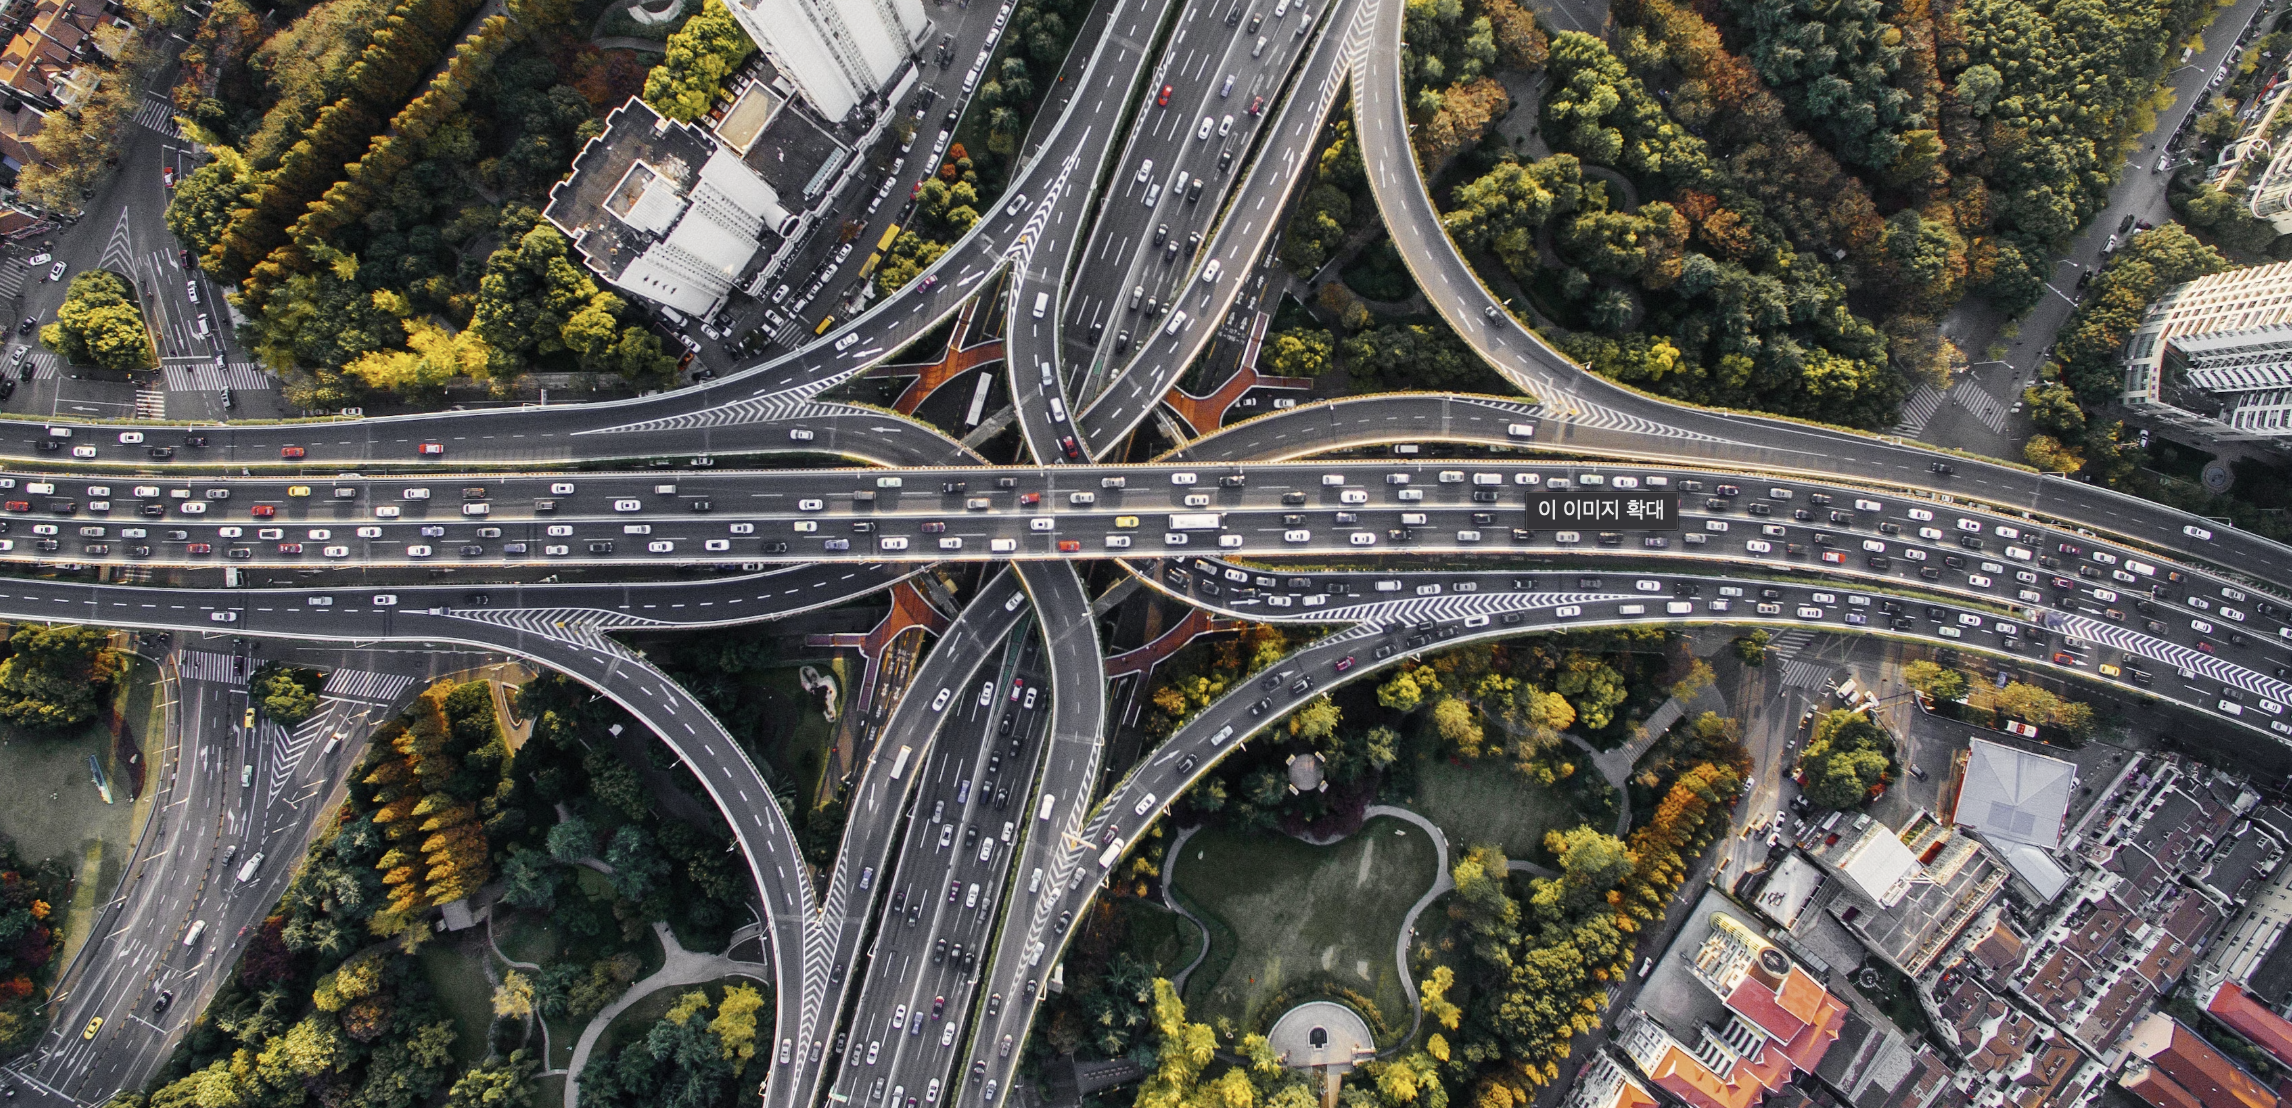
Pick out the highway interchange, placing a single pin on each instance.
(1006, 716)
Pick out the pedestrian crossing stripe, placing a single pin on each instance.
(359, 684)
(245, 376)
(206, 665)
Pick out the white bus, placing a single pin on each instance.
(899, 764)
(1195, 521)
(1106, 857)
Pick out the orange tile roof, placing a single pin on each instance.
(1800, 995)
(1758, 1004)
(2150, 1084)
(2237, 1009)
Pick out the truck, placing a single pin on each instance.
(1196, 521)
(899, 764)
(247, 871)
(1113, 850)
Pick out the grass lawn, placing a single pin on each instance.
(465, 994)
(1489, 802)
(1300, 914)
(61, 814)
(798, 750)
(1159, 936)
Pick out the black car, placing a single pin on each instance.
(938, 952)
(25, 328)
(195, 441)
(161, 451)
(160, 1003)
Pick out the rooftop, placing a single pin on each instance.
(2015, 795)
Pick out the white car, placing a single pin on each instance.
(1183, 478)
(1210, 272)
(369, 532)
(83, 452)
(417, 551)
(1118, 542)
(628, 505)
(957, 544)
(1353, 496)
(1208, 125)
(1919, 514)
(716, 546)
(381, 511)
(199, 508)
(414, 494)
(659, 546)
(1759, 546)
(224, 617)
(561, 489)
(1568, 611)
(810, 505)
(1970, 526)
(1363, 538)
(846, 342)
(130, 438)
(2195, 532)
(743, 528)
(799, 435)
(1297, 536)
(1145, 171)
(807, 526)
(336, 552)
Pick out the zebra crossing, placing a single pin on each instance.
(366, 685)
(150, 404)
(206, 665)
(1987, 410)
(45, 365)
(1799, 673)
(204, 376)
(156, 114)
(1917, 410)
(13, 278)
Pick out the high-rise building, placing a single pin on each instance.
(2215, 355)
(837, 53)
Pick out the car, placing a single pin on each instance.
(96, 1024)
(1163, 100)
(799, 435)
(1203, 132)
(1256, 105)
(83, 452)
(130, 438)
(2199, 533)
(431, 449)
(56, 272)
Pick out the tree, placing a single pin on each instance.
(1432, 992)
(570, 840)
(637, 864)
(1936, 682)
(513, 998)
(56, 677)
(99, 323)
(1752, 648)
(1315, 721)
(1846, 759)
(2047, 453)
(498, 1082)
(700, 55)
(1407, 688)
(2034, 704)
(1458, 725)
(288, 695)
(1592, 686)
(1591, 863)
(735, 1024)
(1300, 352)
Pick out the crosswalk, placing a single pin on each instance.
(14, 275)
(158, 115)
(366, 685)
(45, 366)
(1987, 410)
(206, 665)
(150, 404)
(1917, 410)
(244, 376)
(1798, 673)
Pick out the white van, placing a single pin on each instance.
(198, 928)
(1042, 304)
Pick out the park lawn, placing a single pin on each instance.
(464, 993)
(66, 818)
(1490, 802)
(1301, 915)
(1158, 936)
(798, 751)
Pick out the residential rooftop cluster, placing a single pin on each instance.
(2048, 931)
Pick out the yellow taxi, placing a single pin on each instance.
(298, 490)
(2108, 670)
(249, 721)
(1126, 522)
(94, 1026)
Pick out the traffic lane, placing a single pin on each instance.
(942, 851)
(1274, 172)
(909, 735)
(1128, 261)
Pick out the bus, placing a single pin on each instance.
(1106, 857)
(867, 268)
(899, 764)
(883, 245)
(1195, 521)
(826, 322)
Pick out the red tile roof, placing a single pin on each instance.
(2241, 1013)
(2150, 1084)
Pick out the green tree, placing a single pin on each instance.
(498, 1082)
(700, 55)
(1847, 757)
(57, 676)
(288, 695)
(99, 323)
(1752, 648)
(1300, 352)
(1937, 682)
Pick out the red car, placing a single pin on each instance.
(167, 175)
(1163, 101)
(265, 511)
(1069, 546)
(19, 505)
(1030, 498)
(433, 449)
(1072, 448)
(199, 548)
(1256, 105)
(290, 548)
(1018, 685)
(1345, 663)
(290, 452)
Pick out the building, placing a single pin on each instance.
(2254, 1022)
(2011, 794)
(1604, 1083)
(52, 62)
(664, 212)
(2172, 1067)
(838, 54)
(1905, 897)
(2215, 355)
(1751, 1019)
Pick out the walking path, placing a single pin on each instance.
(1170, 858)
(678, 967)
